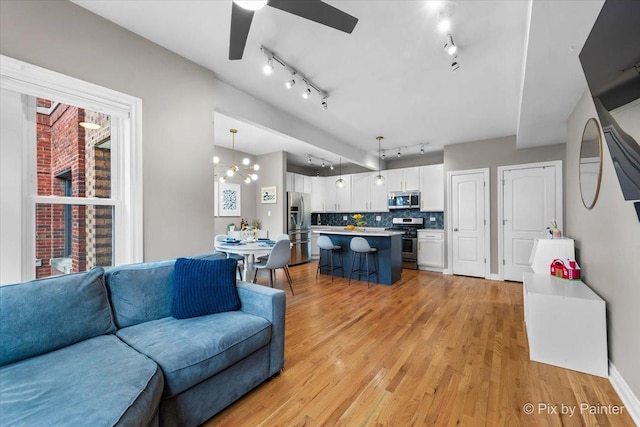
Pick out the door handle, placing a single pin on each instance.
(455, 229)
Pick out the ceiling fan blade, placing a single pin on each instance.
(240, 24)
(318, 11)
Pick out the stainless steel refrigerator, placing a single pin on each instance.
(298, 217)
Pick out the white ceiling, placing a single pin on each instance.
(391, 76)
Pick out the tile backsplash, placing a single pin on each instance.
(336, 219)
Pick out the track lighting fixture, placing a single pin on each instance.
(406, 150)
(321, 161)
(295, 76)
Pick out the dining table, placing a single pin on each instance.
(249, 250)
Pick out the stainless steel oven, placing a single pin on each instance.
(410, 252)
(409, 226)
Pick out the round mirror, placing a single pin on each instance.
(590, 163)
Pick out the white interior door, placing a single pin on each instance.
(468, 226)
(530, 202)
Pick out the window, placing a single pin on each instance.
(80, 202)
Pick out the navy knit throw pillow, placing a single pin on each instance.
(203, 287)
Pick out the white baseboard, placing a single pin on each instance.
(630, 400)
(495, 277)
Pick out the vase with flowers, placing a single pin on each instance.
(555, 232)
(360, 222)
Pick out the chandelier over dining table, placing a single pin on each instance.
(245, 170)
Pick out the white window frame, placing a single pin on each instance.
(126, 136)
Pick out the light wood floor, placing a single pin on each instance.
(429, 350)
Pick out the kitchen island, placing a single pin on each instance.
(389, 256)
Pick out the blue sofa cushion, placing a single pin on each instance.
(97, 382)
(191, 350)
(202, 287)
(47, 314)
(140, 292)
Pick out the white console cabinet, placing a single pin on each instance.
(566, 324)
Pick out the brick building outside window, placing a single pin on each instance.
(72, 161)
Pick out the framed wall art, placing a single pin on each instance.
(268, 195)
(229, 202)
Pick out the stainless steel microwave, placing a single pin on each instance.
(403, 200)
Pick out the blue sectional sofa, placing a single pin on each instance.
(102, 349)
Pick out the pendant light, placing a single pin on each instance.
(340, 182)
(247, 172)
(379, 179)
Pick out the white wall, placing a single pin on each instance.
(11, 209)
(608, 242)
(248, 192)
(178, 106)
(272, 173)
(491, 153)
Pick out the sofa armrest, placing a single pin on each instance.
(271, 304)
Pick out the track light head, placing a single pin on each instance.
(309, 160)
(306, 94)
(323, 164)
(331, 166)
(268, 67)
(324, 103)
(444, 23)
(290, 83)
(399, 153)
(450, 47)
(383, 154)
(455, 65)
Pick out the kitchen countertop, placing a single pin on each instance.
(374, 232)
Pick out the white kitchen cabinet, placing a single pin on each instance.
(566, 323)
(403, 179)
(379, 193)
(291, 182)
(342, 196)
(431, 250)
(361, 191)
(326, 197)
(315, 250)
(298, 182)
(302, 183)
(432, 188)
(366, 195)
(318, 196)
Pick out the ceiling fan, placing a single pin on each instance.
(314, 10)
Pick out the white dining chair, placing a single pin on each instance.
(279, 257)
(263, 259)
(239, 258)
